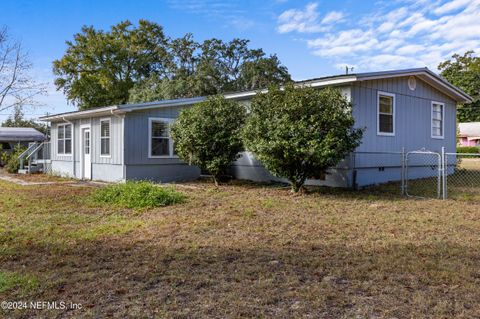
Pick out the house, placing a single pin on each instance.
(12, 136)
(403, 109)
(469, 134)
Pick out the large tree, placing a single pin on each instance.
(300, 132)
(212, 67)
(140, 64)
(99, 68)
(17, 86)
(463, 71)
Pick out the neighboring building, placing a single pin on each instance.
(409, 109)
(12, 136)
(469, 134)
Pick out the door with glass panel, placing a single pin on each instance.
(86, 153)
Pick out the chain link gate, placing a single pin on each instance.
(422, 174)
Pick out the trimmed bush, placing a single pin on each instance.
(208, 134)
(300, 132)
(468, 149)
(138, 195)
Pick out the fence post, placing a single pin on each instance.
(444, 174)
(403, 175)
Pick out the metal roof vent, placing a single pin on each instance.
(412, 83)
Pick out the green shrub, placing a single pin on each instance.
(468, 149)
(3, 158)
(12, 164)
(208, 134)
(300, 132)
(138, 195)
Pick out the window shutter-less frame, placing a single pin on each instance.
(385, 114)
(105, 136)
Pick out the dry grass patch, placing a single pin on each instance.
(243, 250)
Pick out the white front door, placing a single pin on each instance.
(87, 160)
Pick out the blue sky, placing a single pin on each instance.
(312, 38)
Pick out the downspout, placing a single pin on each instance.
(73, 144)
(122, 118)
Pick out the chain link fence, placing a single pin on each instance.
(462, 176)
(419, 173)
(423, 174)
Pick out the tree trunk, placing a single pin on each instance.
(297, 185)
(215, 180)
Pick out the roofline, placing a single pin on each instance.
(460, 96)
(125, 108)
(449, 89)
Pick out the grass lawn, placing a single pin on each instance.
(240, 251)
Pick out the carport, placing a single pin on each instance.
(11, 136)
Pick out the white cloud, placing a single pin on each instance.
(307, 20)
(332, 17)
(410, 49)
(451, 6)
(347, 42)
(229, 13)
(400, 34)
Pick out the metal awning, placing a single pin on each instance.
(20, 134)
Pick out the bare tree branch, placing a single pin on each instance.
(17, 87)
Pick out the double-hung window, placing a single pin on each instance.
(105, 137)
(160, 143)
(386, 114)
(438, 111)
(64, 139)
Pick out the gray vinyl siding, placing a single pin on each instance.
(103, 168)
(412, 128)
(412, 116)
(162, 173)
(138, 165)
(116, 141)
(136, 136)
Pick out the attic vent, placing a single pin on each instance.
(412, 83)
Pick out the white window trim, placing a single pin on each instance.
(443, 120)
(109, 120)
(71, 139)
(378, 113)
(159, 119)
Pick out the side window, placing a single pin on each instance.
(64, 139)
(438, 113)
(105, 137)
(160, 141)
(386, 114)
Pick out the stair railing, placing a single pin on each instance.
(26, 153)
(33, 155)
